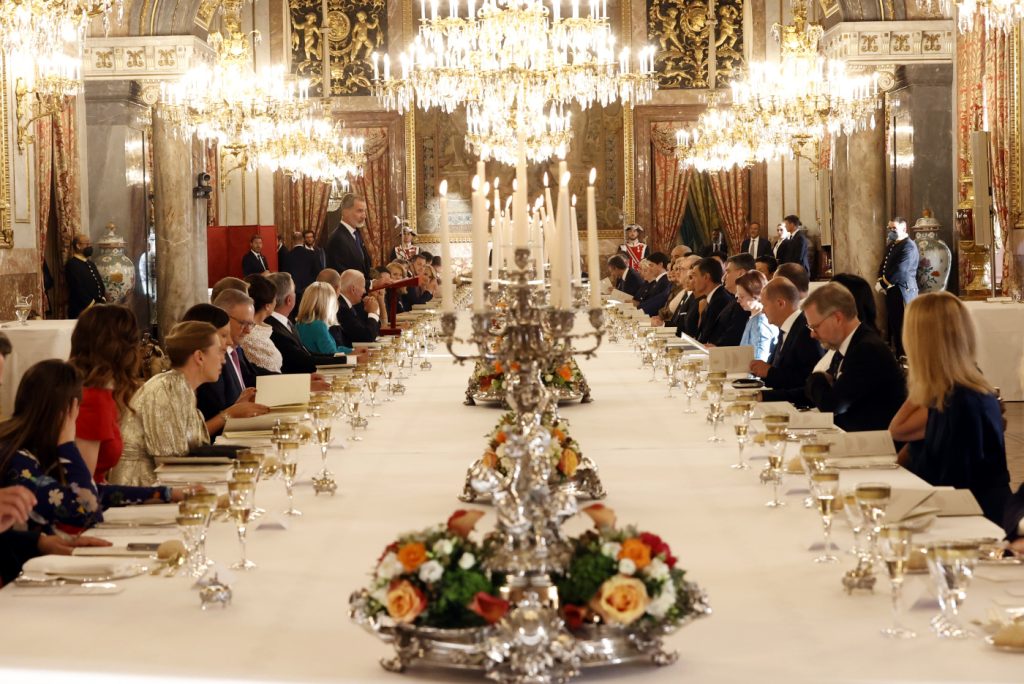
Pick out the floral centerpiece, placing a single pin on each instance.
(488, 382)
(626, 578)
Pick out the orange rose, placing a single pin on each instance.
(569, 462)
(490, 608)
(490, 459)
(498, 368)
(412, 555)
(601, 515)
(462, 522)
(565, 373)
(621, 600)
(515, 367)
(501, 437)
(404, 601)
(636, 551)
(558, 434)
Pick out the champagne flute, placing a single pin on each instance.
(825, 487)
(740, 412)
(372, 383)
(812, 457)
(776, 444)
(190, 524)
(775, 422)
(205, 503)
(352, 410)
(240, 509)
(951, 566)
(895, 546)
(714, 410)
(690, 370)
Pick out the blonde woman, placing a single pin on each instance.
(952, 416)
(317, 312)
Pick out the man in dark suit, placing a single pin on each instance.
(305, 261)
(85, 286)
(795, 353)
(1013, 520)
(862, 384)
(712, 297)
(794, 248)
(717, 246)
(358, 315)
(755, 245)
(622, 277)
(656, 293)
(295, 357)
(346, 248)
(254, 261)
(727, 329)
(897, 278)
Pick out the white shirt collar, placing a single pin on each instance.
(346, 300)
(846, 343)
(256, 253)
(712, 293)
(282, 318)
(787, 324)
(351, 230)
(665, 273)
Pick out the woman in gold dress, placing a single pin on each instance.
(164, 420)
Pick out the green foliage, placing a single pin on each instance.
(587, 572)
(453, 594)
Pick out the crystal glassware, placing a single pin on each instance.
(240, 510)
(873, 498)
(690, 373)
(775, 422)
(740, 412)
(205, 503)
(951, 566)
(776, 444)
(894, 545)
(825, 488)
(190, 524)
(855, 518)
(714, 410)
(812, 457)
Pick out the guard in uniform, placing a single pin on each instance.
(85, 286)
(407, 250)
(897, 278)
(633, 248)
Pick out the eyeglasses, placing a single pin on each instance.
(814, 328)
(246, 325)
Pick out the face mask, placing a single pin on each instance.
(892, 235)
(87, 252)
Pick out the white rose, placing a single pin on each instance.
(662, 602)
(548, 378)
(467, 561)
(500, 451)
(611, 549)
(431, 571)
(380, 595)
(627, 567)
(657, 569)
(443, 547)
(389, 567)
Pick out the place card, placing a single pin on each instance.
(731, 359)
(869, 443)
(282, 390)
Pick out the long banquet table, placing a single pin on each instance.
(777, 615)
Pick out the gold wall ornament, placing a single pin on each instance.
(6, 215)
(680, 32)
(355, 30)
(728, 41)
(307, 48)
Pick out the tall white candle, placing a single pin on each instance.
(496, 234)
(593, 267)
(479, 239)
(561, 286)
(577, 273)
(537, 234)
(519, 209)
(447, 289)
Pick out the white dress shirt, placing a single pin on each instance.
(826, 360)
(752, 248)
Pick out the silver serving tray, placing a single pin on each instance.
(584, 484)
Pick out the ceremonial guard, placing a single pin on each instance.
(633, 248)
(406, 250)
(897, 278)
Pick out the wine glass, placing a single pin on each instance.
(690, 372)
(740, 413)
(873, 498)
(812, 457)
(825, 487)
(894, 544)
(951, 566)
(372, 383)
(776, 444)
(190, 524)
(240, 509)
(775, 422)
(855, 518)
(715, 410)
(204, 503)
(322, 416)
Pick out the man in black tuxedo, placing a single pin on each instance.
(861, 382)
(1013, 520)
(305, 261)
(85, 286)
(358, 315)
(712, 297)
(897, 278)
(717, 246)
(254, 261)
(658, 284)
(346, 248)
(795, 353)
(675, 309)
(295, 357)
(755, 245)
(727, 329)
(622, 277)
(794, 247)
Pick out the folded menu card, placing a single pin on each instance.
(907, 504)
(731, 359)
(282, 390)
(145, 514)
(869, 443)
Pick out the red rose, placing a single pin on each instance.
(490, 608)
(658, 547)
(462, 522)
(574, 615)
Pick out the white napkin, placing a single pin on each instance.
(147, 514)
(77, 566)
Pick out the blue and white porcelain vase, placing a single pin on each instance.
(116, 269)
(936, 256)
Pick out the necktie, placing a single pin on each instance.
(702, 306)
(263, 263)
(238, 366)
(833, 366)
(358, 237)
(773, 360)
(753, 247)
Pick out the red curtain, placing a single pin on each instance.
(671, 185)
(373, 186)
(302, 204)
(731, 190)
(58, 184)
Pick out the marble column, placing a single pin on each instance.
(180, 243)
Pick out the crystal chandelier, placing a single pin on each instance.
(1000, 15)
(724, 138)
(29, 28)
(313, 148)
(511, 62)
(229, 102)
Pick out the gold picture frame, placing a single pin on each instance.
(6, 208)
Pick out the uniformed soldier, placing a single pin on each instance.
(897, 278)
(633, 248)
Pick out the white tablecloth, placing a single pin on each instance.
(778, 617)
(32, 343)
(1000, 344)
